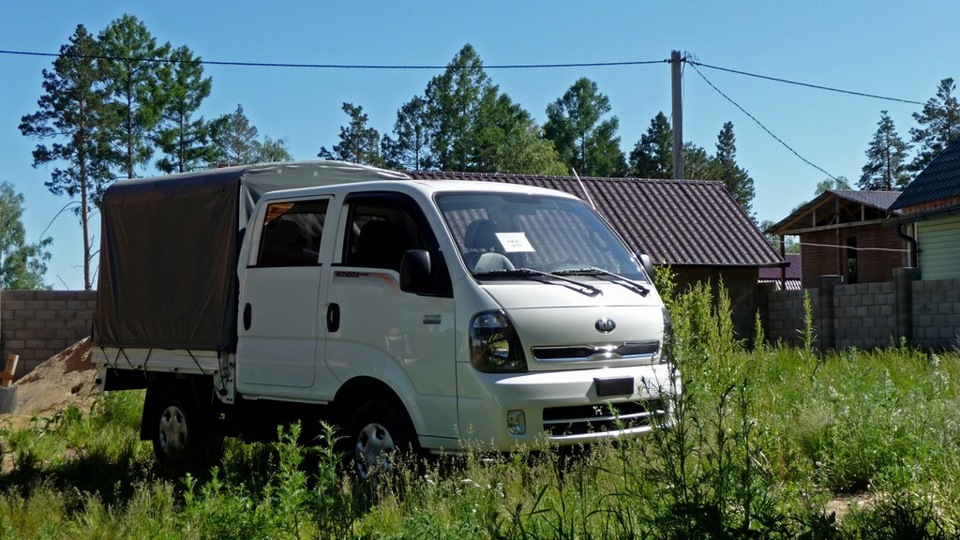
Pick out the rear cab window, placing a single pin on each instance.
(291, 233)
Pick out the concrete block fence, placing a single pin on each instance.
(923, 314)
(38, 324)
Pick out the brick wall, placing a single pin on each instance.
(873, 265)
(38, 324)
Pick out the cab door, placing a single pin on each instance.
(374, 329)
(280, 296)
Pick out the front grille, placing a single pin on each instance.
(604, 417)
(582, 353)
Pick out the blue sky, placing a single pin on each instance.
(890, 48)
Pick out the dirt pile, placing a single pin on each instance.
(65, 378)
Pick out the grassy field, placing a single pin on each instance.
(772, 443)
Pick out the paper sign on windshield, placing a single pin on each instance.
(515, 242)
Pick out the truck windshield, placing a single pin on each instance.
(501, 232)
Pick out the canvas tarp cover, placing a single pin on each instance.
(169, 249)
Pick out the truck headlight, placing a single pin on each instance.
(494, 345)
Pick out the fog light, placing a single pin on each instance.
(516, 422)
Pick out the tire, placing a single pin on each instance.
(176, 429)
(380, 434)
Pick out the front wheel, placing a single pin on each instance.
(379, 433)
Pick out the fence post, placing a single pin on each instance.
(903, 279)
(827, 330)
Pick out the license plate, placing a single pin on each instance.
(614, 387)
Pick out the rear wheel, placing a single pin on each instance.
(379, 436)
(177, 431)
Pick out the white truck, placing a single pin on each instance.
(423, 314)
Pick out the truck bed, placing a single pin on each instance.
(160, 360)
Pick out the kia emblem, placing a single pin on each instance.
(605, 325)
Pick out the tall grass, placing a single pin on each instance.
(773, 442)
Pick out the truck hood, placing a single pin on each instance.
(561, 328)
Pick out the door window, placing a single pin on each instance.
(291, 234)
(379, 233)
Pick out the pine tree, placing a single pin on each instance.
(74, 113)
(583, 138)
(725, 169)
(453, 103)
(939, 125)
(132, 67)
(234, 139)
(359, 143)
(183, 139)
(652, 156)
(410, 149)
(886, 166)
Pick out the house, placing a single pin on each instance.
(854, 234)
(784, 278)
(931, 203)
(695, 227)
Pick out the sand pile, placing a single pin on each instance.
(64, 379)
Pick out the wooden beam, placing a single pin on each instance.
(9, 370)
(839, 226)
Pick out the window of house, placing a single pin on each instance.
(851, 267)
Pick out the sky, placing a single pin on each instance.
(888, 48)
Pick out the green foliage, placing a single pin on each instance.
(939, 125)
(234, 138)
(183, 139)
(410, 149)
(133, 88)
(652, 157)
(755, 446)
(838, 183)
(886, 166)
(724, 167)
(22, 265)
(586, 141)
(463, 122)
(359, 143)
(74, 113)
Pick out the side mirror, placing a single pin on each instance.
(647, 264)
(415, 272)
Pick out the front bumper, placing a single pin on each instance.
(563, 407)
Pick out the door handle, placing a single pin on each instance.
(247, 316)
(333, 317)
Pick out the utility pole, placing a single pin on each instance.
(675, 65)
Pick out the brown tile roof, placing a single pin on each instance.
(675, 222)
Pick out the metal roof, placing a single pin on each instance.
(939, 181)
(675, 222)
(793, 272)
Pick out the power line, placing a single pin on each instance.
(744, 111)
(807, 85)
(341, 66)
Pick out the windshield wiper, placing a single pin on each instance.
(543, 277)
(642, 290)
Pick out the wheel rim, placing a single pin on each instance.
(372, 452)
(173, 431)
